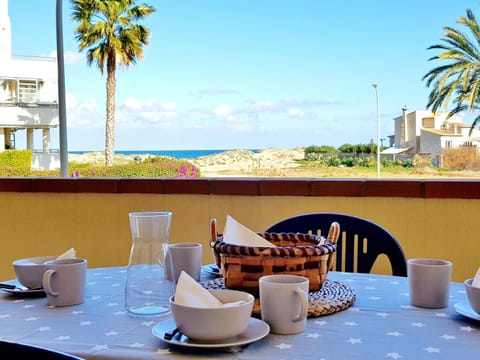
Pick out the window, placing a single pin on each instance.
(27, 91)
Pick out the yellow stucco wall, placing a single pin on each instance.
(96, 225)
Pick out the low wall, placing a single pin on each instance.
(41, 216)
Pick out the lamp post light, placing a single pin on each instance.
(375, 87)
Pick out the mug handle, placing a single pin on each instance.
(47, 276)
(303, 304)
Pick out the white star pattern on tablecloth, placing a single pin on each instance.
(116, 285)
(370, 288)
(85, 323)
(148, 323)
(394, 333)
(382, 314)
(313, 335)
(100, 347)
(33, 318)
(442, 314)
(283, 346)
(28, 306)
(418, 324)
(77, 312)
(137, 345)
(431, 349)
(61, 338)
(374, 298)
(350, 323)
(4, 316)
(321, 322)
(44, 328)
(112, 304)
(393, 355)
(448, 337)
(119, 313)
(355, 341)
(467, 328)
(111, 333)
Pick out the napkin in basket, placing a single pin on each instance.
(191, 293)
(238, 234)
(69, 254)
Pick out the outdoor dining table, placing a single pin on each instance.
(381, 324)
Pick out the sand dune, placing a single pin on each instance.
(228, 163)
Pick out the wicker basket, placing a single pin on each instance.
(298, 254)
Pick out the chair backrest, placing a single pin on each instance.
(360, 242)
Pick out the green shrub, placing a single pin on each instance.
(16, 158)
(358, 148)
(15, 171)
(334, 161)
(166, 168)
(313, 152)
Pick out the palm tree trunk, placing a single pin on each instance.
(110, 124)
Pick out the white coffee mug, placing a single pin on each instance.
(64, 281)
(429, 282)
(284, 302)
(186, 257)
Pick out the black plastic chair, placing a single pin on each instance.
(359, 244)
(11, 350)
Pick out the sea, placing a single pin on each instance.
(179, 154)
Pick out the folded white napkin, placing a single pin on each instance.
(238, 234)
(476, 279)
(69, 254)
(191, 293)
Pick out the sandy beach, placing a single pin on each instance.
(272, 162)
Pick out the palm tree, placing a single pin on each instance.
(458, 79)
(108, 29)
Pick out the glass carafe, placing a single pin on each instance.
(146, 289)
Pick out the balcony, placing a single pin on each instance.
(44, 216)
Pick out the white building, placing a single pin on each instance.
(28, 98)
(422, 132)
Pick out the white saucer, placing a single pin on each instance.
(256, 330)
(464, 308)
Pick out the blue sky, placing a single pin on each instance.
(224, 74)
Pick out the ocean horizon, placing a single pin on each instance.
(179, 154)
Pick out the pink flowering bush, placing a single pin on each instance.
(158, 167)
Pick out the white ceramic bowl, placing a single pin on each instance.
(473, 295)
(214, 323)
(30, 271)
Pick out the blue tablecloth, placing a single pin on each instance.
(380, 325)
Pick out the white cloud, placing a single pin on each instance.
(222, 110)
(69, 57)
(296, 113)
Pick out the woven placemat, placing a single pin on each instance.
(334, 296)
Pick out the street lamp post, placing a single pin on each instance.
(375, 86)
(61, 93)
